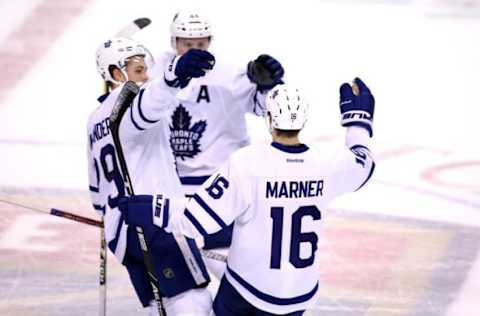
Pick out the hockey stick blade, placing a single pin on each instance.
(134, 27)
(125, 97)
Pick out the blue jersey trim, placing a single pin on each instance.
(193, 180)
(133, 121)
(113, 243)
(103, 97)
(175, 83)
(99, 208)
(139, 104)
(369, 176)
(292, 149)
(269, 298)
(210, 212)
(93, 189)
(195, 223)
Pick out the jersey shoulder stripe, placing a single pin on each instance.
(139, 105)
(133, 121)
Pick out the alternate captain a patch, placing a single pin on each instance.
(185, 140)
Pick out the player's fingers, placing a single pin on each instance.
(204, 65)
(362, 87)
(264, 57)
(275, 68)
(202, 54)
(346, 91)
(197, 73)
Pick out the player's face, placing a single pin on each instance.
(137, 69)
(184, 44)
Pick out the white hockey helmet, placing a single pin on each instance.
(189, 24)
(288, 109)
(116, 52)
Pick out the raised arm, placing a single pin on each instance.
(356, 165)
(157, 98)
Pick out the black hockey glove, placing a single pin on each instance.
(357, 105)
(265, 71)
(192, 64)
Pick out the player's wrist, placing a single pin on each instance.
(170, 77)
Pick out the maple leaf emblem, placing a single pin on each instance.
(185, 140)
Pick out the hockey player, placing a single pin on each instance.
(209, 122)
(144, 135)
(277, 196)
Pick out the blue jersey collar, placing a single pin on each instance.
(292, 149)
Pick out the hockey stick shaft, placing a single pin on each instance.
(94, 222)
(102, 279)
(102, 272)
(59, 213)
(124, 99)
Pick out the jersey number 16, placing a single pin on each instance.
(297, 236)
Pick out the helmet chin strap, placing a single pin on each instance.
(117, 82)
(268, 123)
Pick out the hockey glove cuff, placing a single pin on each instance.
(192, 64)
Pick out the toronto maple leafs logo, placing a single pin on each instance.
(185, 140)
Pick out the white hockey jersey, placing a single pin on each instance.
(277, 196)
(144, 134)
(209, 122)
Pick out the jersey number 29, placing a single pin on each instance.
(297, 236)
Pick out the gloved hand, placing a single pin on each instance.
(265, 71)
(192, 64)
(357, 105)
(137, 210)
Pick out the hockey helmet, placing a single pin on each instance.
(189, 24)
(286, 107)
(116, 52)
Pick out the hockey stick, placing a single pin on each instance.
(59, 213)
(124, 99)
(133, 27)
(128, 31)
(96, 223)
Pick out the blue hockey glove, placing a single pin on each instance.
(137, 210)
(192, 64)
(356, 107)
(265, 71)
